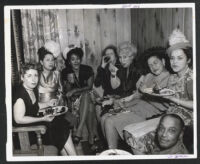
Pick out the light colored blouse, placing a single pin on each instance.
(49, 88)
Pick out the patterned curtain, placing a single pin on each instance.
(16, 46)
(38, 26)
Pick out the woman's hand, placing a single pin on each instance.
(53, 102)
(104, 63)
(184, 103)
(142, 87)
(119, 103)
(48, 118)
(113, 69)
(108, 102)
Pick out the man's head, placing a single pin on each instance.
(170, 130)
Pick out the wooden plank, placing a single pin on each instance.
(178, 18)
(123, 25)
(188, 26)
(108, 27)
(149, 32)
(166, 23)
(141, 30)
(24, 141)
(134, 26)
(92, 37)
(158, 28)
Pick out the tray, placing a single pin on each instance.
(163, 92)
(53, 111)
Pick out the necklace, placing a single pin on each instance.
(31, 94)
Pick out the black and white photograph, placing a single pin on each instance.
(100, 82)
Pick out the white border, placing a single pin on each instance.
(7, 23)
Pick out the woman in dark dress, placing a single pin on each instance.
(78, 81)
(25, 111)
(103, 77)
(109, 59)
(127, 75)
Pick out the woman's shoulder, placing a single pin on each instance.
(19, 92)
(189, 75)
(86, 69)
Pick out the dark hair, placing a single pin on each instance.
(27, 66)
(159, 52)
(175, 116)
(189, 52)
(112, 47)
(42, 52)
(76, 51)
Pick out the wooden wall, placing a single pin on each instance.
(152, 27)
(94, 30)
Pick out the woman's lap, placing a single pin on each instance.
(144, 109)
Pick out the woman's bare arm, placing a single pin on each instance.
(184, 103)
(19, 114)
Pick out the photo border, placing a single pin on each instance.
(7, 32)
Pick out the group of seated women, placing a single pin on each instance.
(125, 100)
(166, 88)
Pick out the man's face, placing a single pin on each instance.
(169, 132)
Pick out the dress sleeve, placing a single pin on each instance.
(99, 77)
(90, 72)
(189, 88)
(140, 82)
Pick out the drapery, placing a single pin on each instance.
(38, 26)
(16, 46)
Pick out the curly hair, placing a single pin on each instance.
(159, 52)
(27, 66)
(76, 51)
(112, 47)
(42, 52)
(127, 48)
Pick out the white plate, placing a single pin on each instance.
(163, 92)
(115, 152)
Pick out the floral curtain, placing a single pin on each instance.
(38, 26)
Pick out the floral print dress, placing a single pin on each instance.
(184, 90)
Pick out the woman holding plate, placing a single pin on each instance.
(25, 111)
(181, 83)
(50, 94)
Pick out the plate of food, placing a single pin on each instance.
(53, 111)
(159, 92)
(115, 152)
